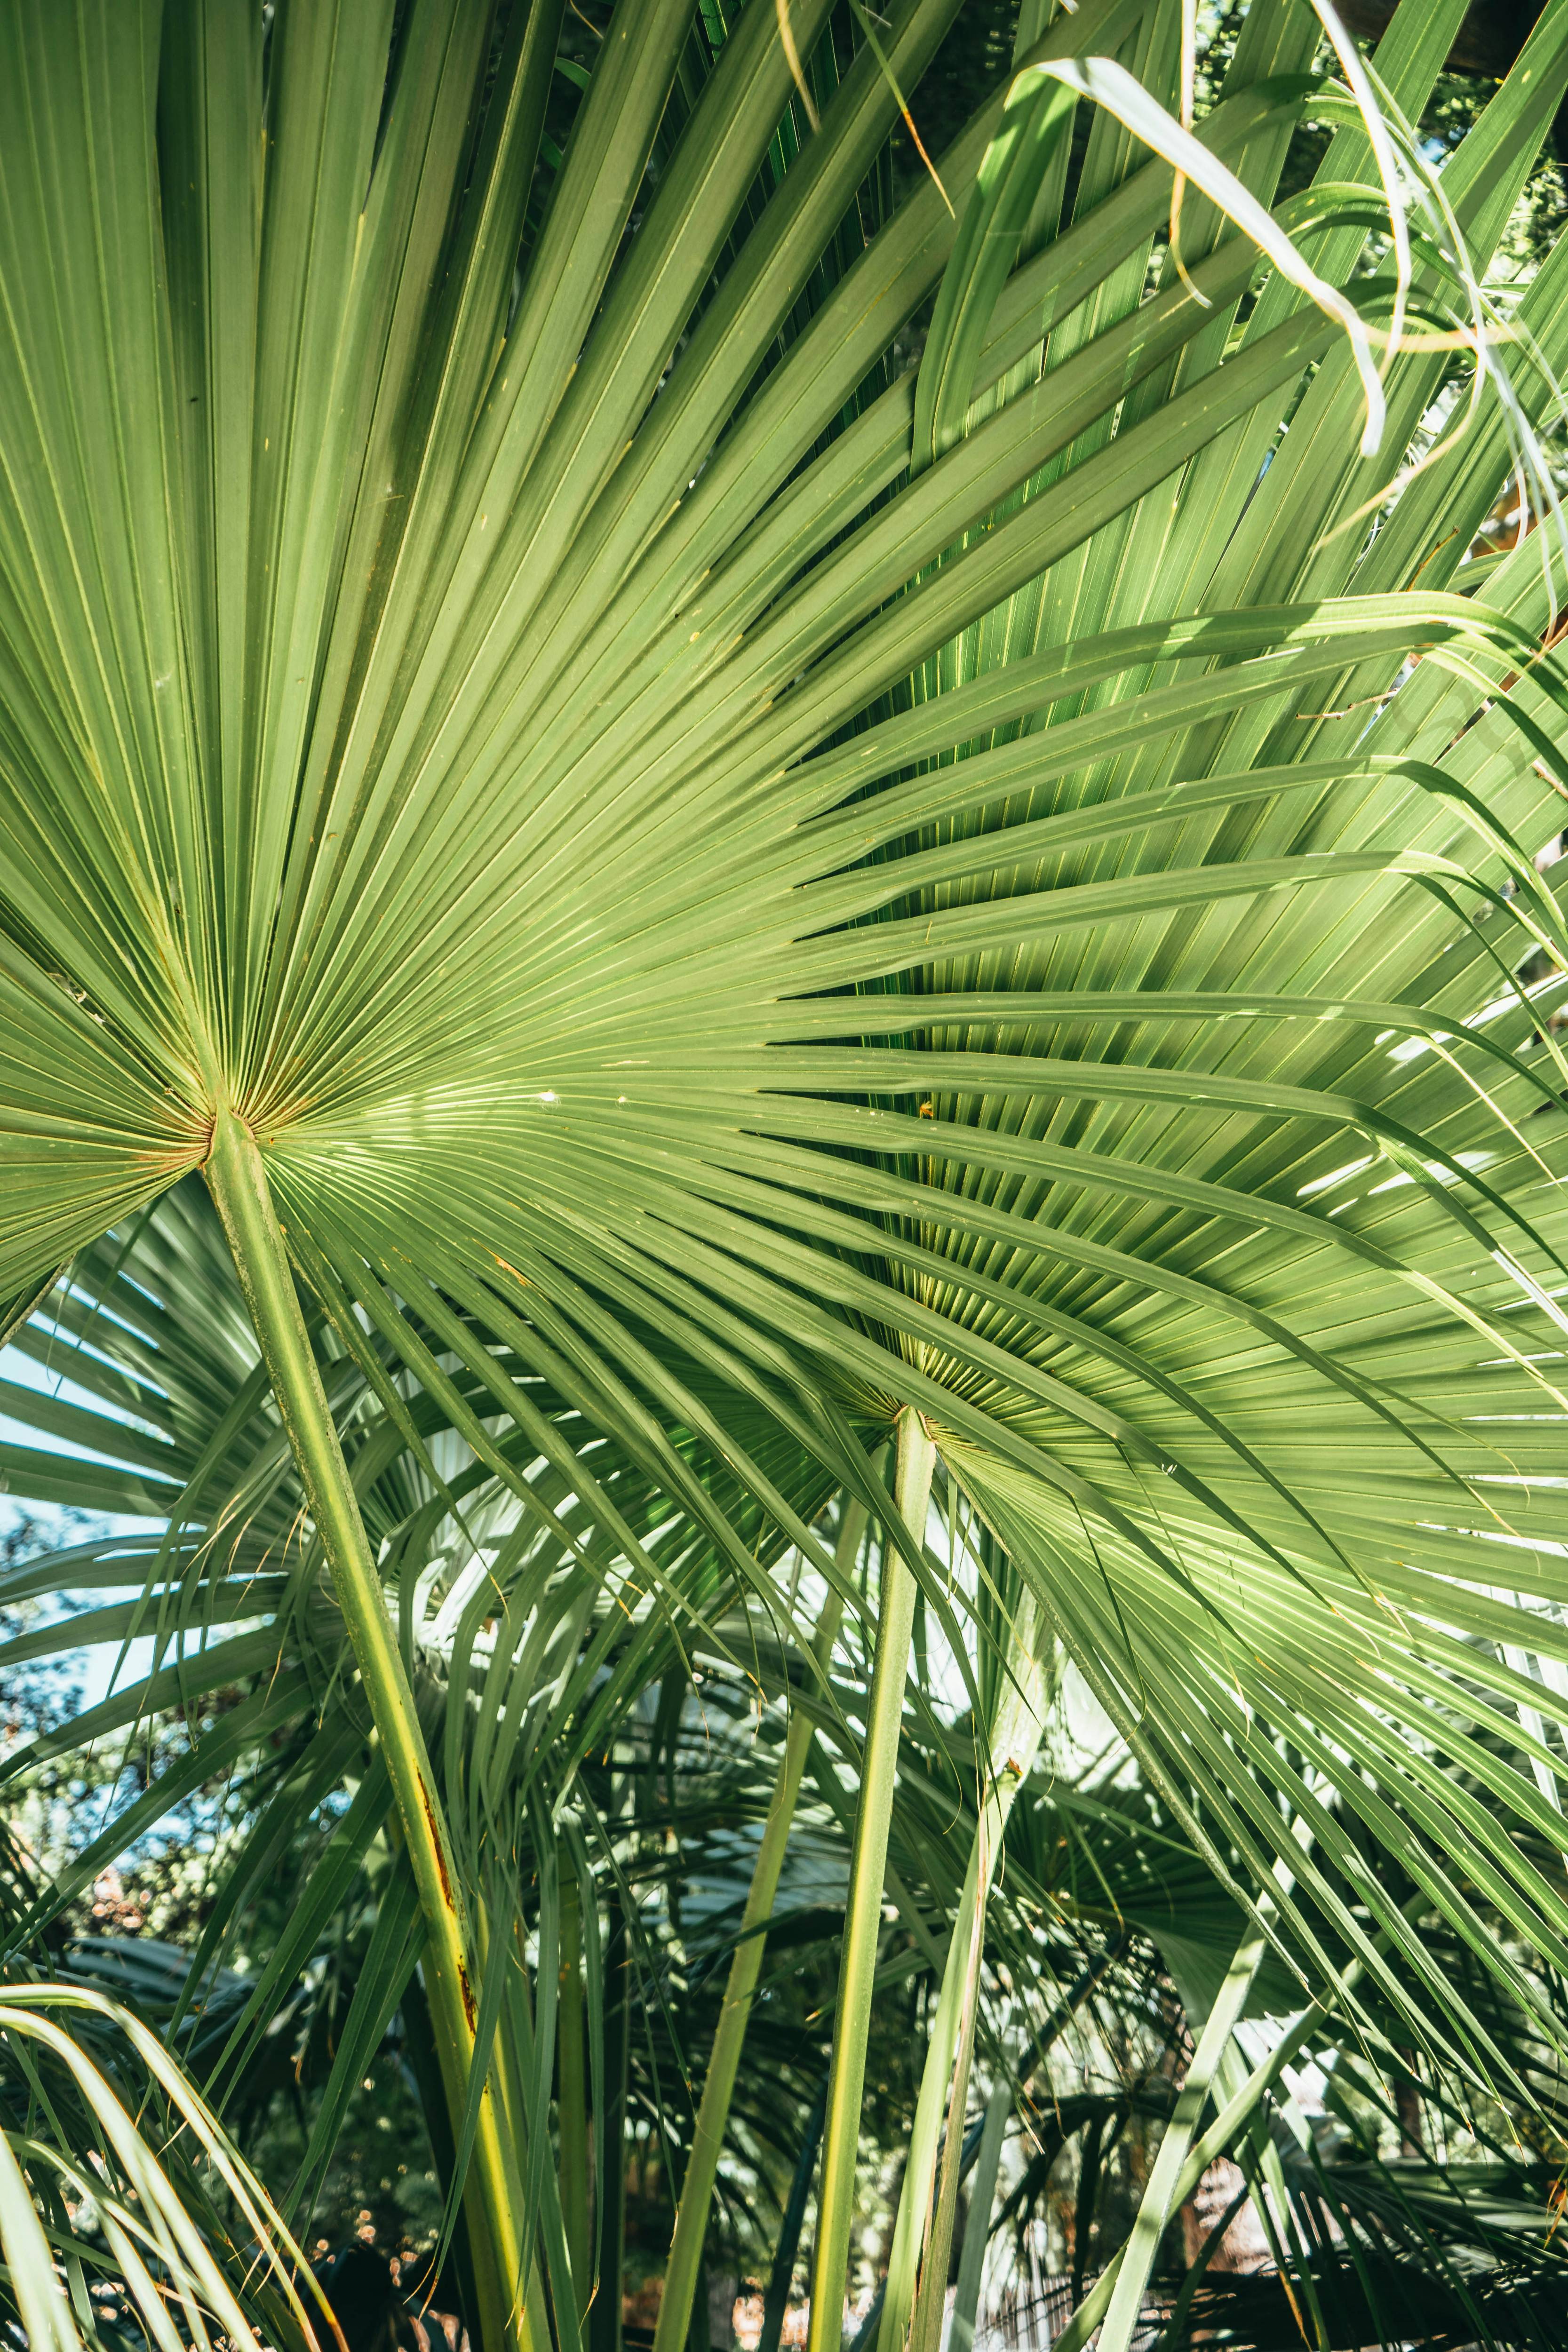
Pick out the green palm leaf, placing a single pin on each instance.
(499, 734)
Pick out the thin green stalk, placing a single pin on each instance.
(918, 2256)
(1233, 2118)
(1119, 2290)
(458, 2273)
(512, 2067)
(982, 2197)
(238, 1182)
(573, 2110)
(1176, 2326)
(925, 2324)
(781, 2277)
(610, 2135)
(1272, 2203)
(1230, 2120)
(1118, 2293)
(1159, 2200)
(863, 1912)
(713, 2114)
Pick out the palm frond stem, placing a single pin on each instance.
(237, 1180)
(918, 2261)
(971, 2261)
(719, 2085)
(863, 1911)
(1158, 2203)
(573, 2110)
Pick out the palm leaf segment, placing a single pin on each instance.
(485, 731)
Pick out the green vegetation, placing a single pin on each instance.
(780, 1125)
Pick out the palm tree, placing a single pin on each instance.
(519, 636)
